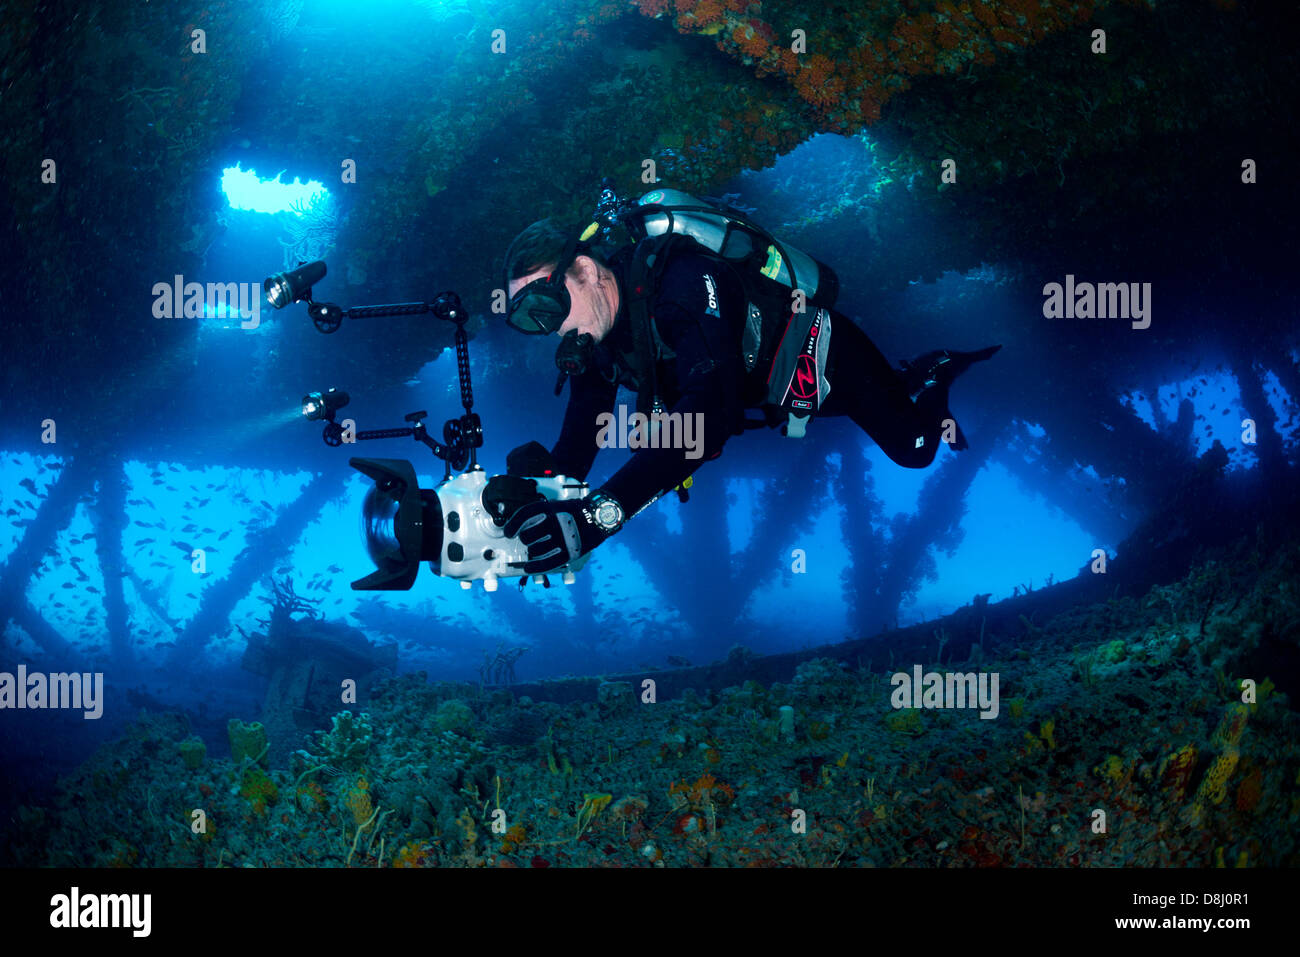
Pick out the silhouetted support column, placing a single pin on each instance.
(584, 605)
(265, 548)
(1180, 431)
(546, 630)
(940, 508)
(1255, 405)
(1152, 392)
(1091, 510)
(108, 546)
(695, 570)
(866, 546)
(1288, 374)
(53, 515)
(50, 641)
(670, 560)
(1095, 429)
(786, 510)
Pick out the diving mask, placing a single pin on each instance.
(540, 307)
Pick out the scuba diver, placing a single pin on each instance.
(696, 318)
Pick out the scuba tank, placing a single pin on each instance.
(737, 240)
(792, 345)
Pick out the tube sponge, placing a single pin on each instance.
(785, 723)
(246, 740)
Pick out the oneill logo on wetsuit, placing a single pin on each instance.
(712, 290)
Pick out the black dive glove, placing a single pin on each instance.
(558, 532)
(531, 460)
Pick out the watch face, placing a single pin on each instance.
(608, 513)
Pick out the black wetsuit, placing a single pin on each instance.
(708, 376)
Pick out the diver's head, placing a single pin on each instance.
(584, 297)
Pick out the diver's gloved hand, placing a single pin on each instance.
(555, 532)
(531, 460)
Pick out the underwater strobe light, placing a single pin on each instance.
(322, 405)
(456, 527)
(290, 287)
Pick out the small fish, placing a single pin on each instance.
(267, 505)
(146, 541)
(335, 569)
(29, 485)
(92, 588)
(222, 536)
(69, 585)
(183, 547)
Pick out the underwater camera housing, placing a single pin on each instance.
(455, 527)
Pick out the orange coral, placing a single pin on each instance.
(652, 8)
(705, 791)
(987, 15)
(847, 85)
(751, 42)
(1250, 790)
(1231, 726)
(817, 70)
(513, 839)
(701, 14)
(412, 854)
(1176, 771)
(947, 37)
(358, 802)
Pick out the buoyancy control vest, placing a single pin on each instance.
(788, 295)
